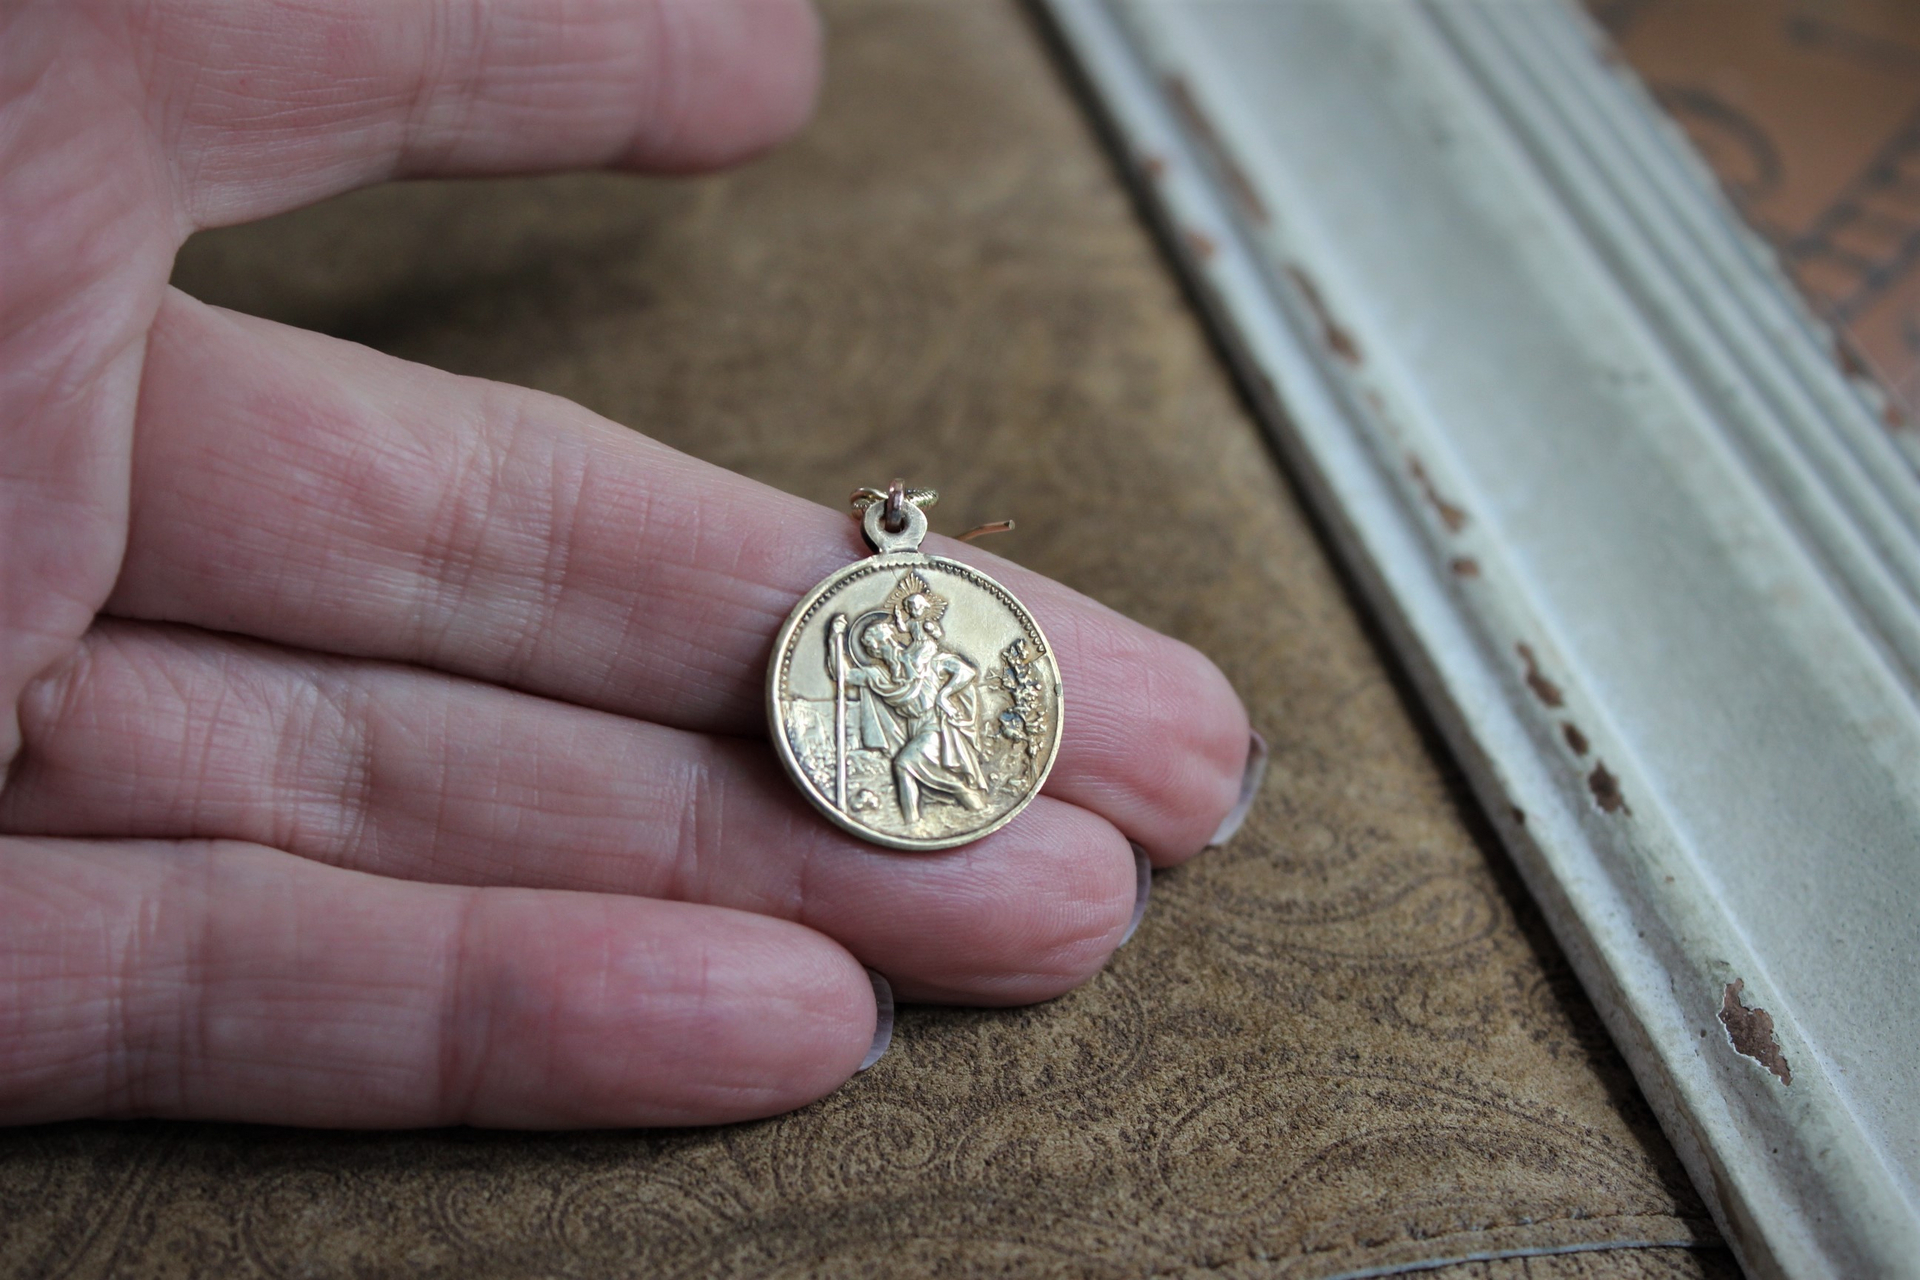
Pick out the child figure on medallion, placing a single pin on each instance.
(924, 708)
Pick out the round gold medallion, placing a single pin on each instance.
(911, 697)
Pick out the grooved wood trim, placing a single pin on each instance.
(1649, 553)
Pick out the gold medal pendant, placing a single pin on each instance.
(911, 697)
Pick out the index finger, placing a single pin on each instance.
(308, 491)
(261, 108)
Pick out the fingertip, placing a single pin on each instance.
(1028, 914)
(670, 1014)
(736, 77)
(1156, 737)
(1222, 768)
(797, 1016)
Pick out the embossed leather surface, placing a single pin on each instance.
(1343, 1044)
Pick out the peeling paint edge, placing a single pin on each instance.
(1644, 1018)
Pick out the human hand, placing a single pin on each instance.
(385, 747)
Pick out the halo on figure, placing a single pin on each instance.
(857, 634)
(909, 586)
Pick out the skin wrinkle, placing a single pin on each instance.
(76, 385)
(1078, 948)
(799, 898)
(355, 733)
(463, 88)
(389, 1086)
(446, 104)
(688, 528)
(225, 692)
(160, 748)
(164, 113)
(367, 735)
(596, 60)
(206, 171)
(713, 550)
(802, 898)
(48, 701)
(299, 479)
(61, 60)
(631, 605)
(1156, 772)
(684, 575)
(471, 511)
(662, 118)
(454, 784)
(448, 846)
(26, 68)
(435, 81)
(331, 1017)
(1162, 702)
(141, 1075)
(393, 471)
(318, 478)
(113, 1025)
(194, 891)
(635, 505)
(558, 526)
(68, 975)
(465, 1037)
(700, 828)
(359, 111)
(454, 538)
(39, 309)
(315, 728)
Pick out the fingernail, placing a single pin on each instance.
(882, 1019)
(1250, 780)
(1142, 890)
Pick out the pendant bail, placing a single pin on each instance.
(884, 541)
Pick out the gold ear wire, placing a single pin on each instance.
(897, 495)
(992, 526)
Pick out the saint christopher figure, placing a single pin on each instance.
(917, 700)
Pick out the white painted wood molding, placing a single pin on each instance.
(1649, 552)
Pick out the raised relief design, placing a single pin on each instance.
(918, 703)
(915, 700)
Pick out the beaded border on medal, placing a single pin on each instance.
(936, 757)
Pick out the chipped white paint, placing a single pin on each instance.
(1645, 547)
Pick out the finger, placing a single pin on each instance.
(308, 491)
(159, 732)
(265, 107)
(231, 982)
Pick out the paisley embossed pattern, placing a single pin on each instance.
(1342, 1045)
